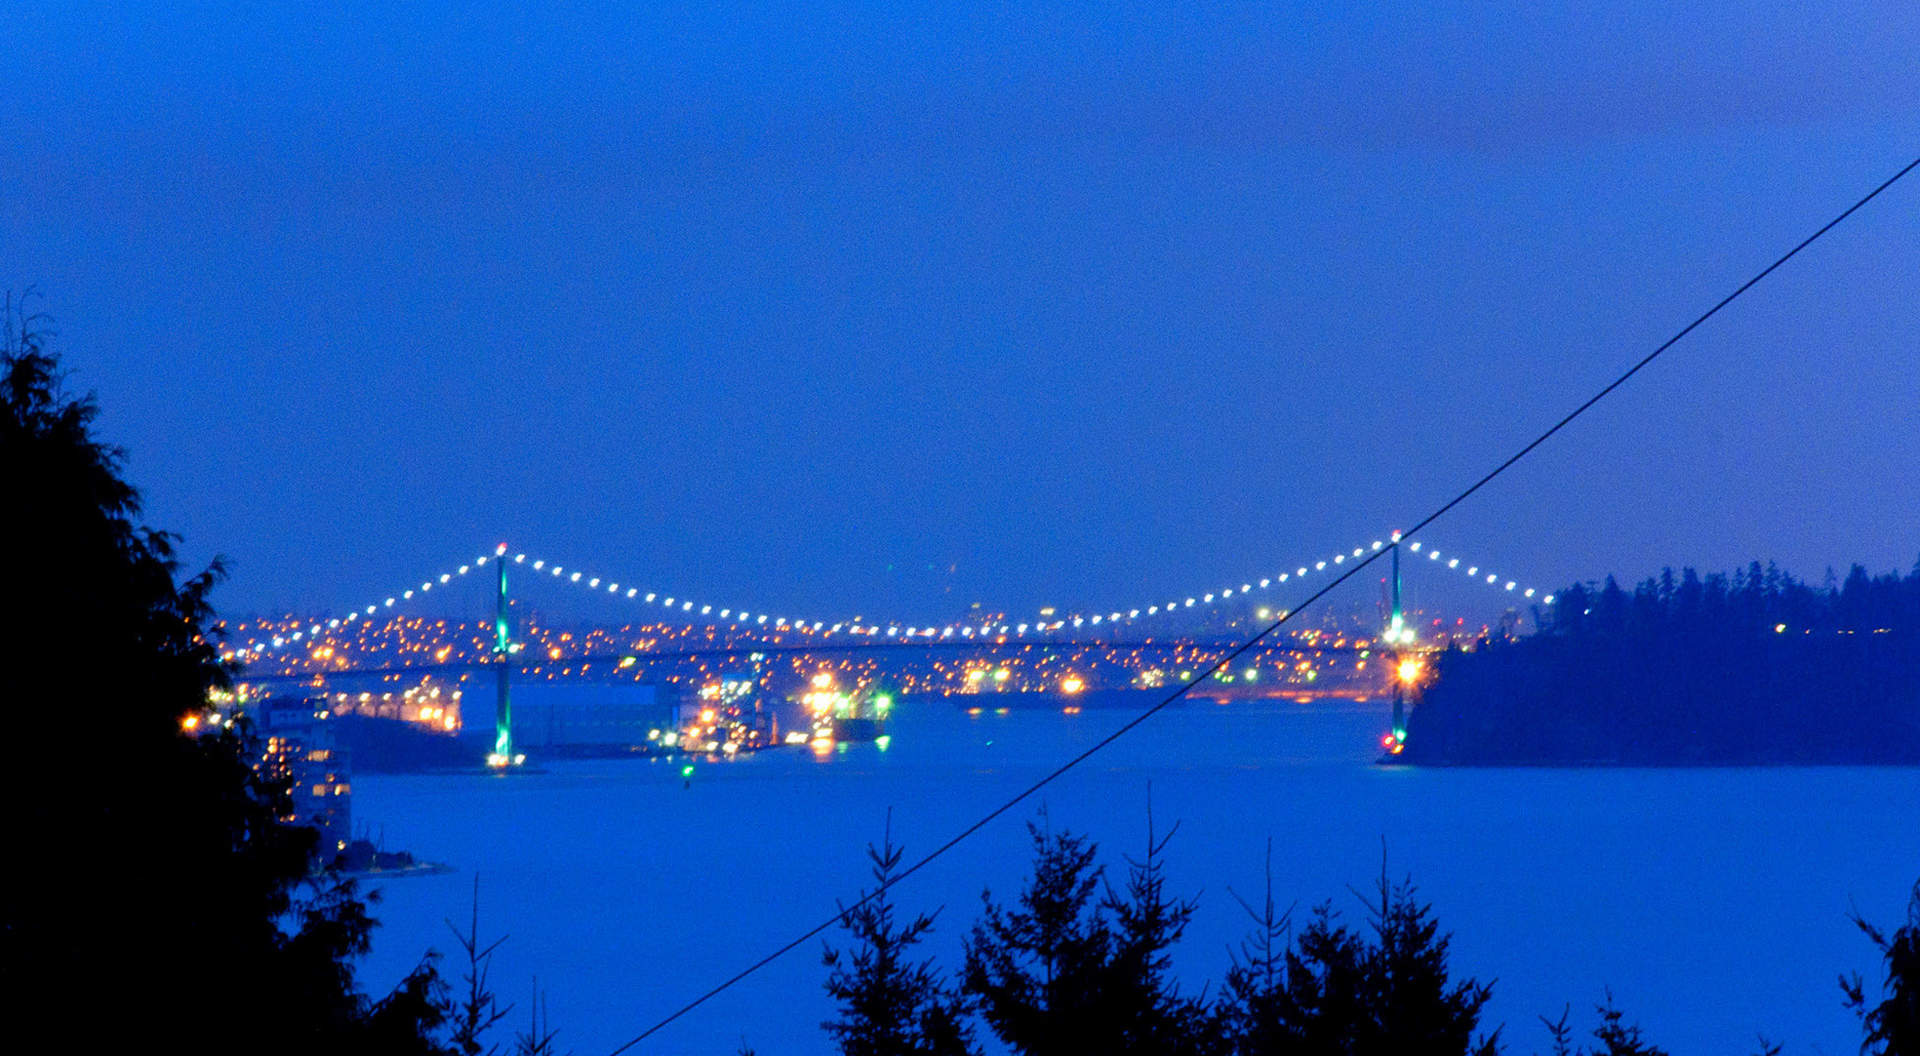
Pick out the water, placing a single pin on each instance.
(1714, 903)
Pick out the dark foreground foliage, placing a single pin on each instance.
(1075, 965)
(890, 1002)
(1893, 1022)
(1752, 668)
(153, 899)
(1072, 965)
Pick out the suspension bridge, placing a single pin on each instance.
(1150, 626)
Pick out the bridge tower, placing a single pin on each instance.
(1397, 633)
(503, 754)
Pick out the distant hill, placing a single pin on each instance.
(1749, 668)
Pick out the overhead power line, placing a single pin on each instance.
(1250, 643)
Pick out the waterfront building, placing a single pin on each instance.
(300, 747)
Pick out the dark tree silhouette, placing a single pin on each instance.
(1068, 969)
(539, 1039)
(1035, 970)
(1893, 1023)
(1617, 1036)
(478, 1009)
(1334, 991)
(1752, 667)
(1151, 1015)
(890, 1004)
(151, 893)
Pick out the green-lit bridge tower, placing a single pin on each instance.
(503, 669)
(1397, 633)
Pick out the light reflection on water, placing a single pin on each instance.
(1713, 902)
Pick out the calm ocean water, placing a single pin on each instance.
(1714, 903)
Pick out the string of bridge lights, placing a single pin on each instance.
(685, 607)
(314, 629)
(688, 607)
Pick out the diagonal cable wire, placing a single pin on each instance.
(1202, 676)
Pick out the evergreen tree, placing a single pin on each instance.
(152, 894)
(890, 1005)
(1414, 1008)
(1892, 1024)
(1150, 1014)
(1337, 992)
(1251, 1017)
(1619, 1037)
(478, 1009)
(1036, 971)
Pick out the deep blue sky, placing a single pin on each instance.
(801, 308)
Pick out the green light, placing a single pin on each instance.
(882, 702)
(884, 741)
(686, 771)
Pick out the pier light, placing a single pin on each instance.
(1410, 671)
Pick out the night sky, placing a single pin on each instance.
(886, 309)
